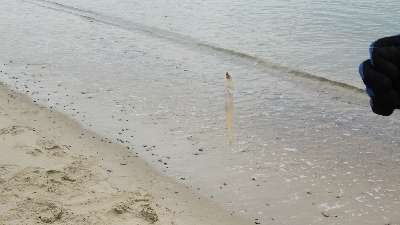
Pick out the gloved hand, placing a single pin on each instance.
(381, 75)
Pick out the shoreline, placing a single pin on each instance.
(303, 151)
(54, 171)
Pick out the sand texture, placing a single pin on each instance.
(54, 172)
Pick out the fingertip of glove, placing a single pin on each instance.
(387, 41)
(387, 100)
(380, 110)
(383, 62)
(383, 111)
(374, 79)
(361, 69)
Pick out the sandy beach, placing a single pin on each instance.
(52, 171)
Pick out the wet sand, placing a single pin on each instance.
(53, 171)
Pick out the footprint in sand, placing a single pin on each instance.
(51, 148)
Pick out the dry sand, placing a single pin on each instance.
(54, 171)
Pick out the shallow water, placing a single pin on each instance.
(324, 38)
(162, 98)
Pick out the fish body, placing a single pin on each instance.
(228, 100)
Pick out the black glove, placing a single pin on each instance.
(381, 75)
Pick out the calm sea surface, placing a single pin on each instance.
(324, 38)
